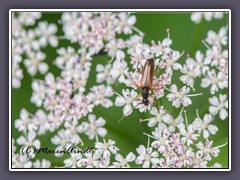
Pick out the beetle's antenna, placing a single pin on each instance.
(128, 112)
(163, 63)
(159, 68)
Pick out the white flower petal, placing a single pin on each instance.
(43, 68)
(214, 101)
(141, 150)
(127, 109)
(223, 114)
(120, 101)
(119, 158)
(212, 129)
(131, 157)
(205, 134)
(102, 132)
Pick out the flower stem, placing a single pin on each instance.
(220, 146)
(186, 118)
(137, 30)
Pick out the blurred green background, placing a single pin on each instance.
(185, 34)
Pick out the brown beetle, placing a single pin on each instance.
(147, 79)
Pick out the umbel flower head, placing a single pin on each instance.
(84, 87)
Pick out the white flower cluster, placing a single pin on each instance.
(27, 44)
(208, 16)
(216, 76)
(175, 142)
(67, 108)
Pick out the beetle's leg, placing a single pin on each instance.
(155, 101)
(158, 88)
(139, 71)
(137, 85)
(150, 95)
(139, 95)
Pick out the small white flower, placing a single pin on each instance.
(72, 71)
(219, 105)
(28, 41)
(73, 161)
(171, 61)
(71, 132)
(106, 148)
(94, 127)
(119, 70)
(38, 94)
(215, 80)
(161, 118)
(25, 122)
(132, 43)
(146, 156)
(161, 47)
(163, 164)
(176, 144)
(216, 55)
(189, 135)
(29, 141)
(61, 141)
(103, 73)
(91, 160)
(124, 23)
(205, 126)
(51, 102)
(35, 63)
(217, 38)
(208, 150)
(124, 162)
(127, 100)
(46, 32)
(161, 139)
(176, 123)
(198, 160)
(191, 71)
(202, 62)
(66, 55)
(99, 95)
(179, 97)
(103, 162)
(137, 56)
(21, 161)
(81, 105)
(114, 49)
